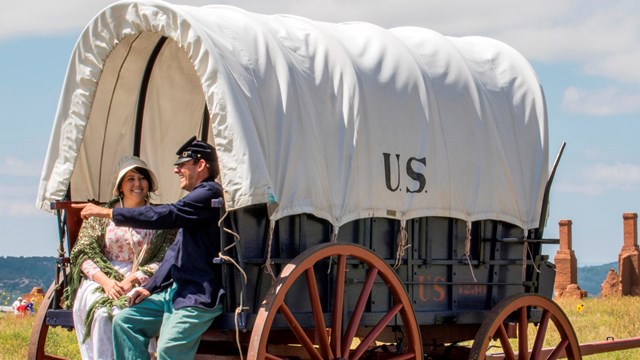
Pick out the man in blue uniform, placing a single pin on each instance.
(183, 297)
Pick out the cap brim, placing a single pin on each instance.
(181, 160)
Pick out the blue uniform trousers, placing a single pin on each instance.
(178, 330)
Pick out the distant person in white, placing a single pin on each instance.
(16, 304)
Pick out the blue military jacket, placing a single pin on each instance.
(189, 261)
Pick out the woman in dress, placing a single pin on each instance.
(108, 261)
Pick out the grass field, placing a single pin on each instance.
(14, 339)
(595, 320)
(599, 319)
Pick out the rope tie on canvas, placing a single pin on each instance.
(467, 250)
(268, 261)
(527, 253)
(402, 240)
(525, 250)
(334, 238)
(240, 306)
(532, 261)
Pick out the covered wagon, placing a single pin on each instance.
(385, 190)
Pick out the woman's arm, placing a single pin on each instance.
(88, 247)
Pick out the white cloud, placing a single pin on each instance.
(19, 186)
(601, 102)
(46, 18)
(18, 200)
(600, 178)
(22, 209)
(594, 153)
(622, 67)
(14, 166)
(585, 189)
(617, 176)
(16, 191)
(602, 38)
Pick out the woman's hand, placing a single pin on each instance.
(113, 289)
(129, 283)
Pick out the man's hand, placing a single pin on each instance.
(138, 295)
(92, 210)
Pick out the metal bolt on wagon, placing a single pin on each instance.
(385, 190)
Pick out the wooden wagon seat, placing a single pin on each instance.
(69, 224)
(71, 218)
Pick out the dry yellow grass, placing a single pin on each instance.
(594, 321)
(14, 339)
(599, 319)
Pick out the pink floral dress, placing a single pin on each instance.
(124, 244)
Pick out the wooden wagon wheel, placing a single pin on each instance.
(41, 329)
(333, 342)
(516, 309)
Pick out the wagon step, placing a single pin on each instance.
(60, 317)
(589, 348)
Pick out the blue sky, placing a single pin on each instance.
(585, 53)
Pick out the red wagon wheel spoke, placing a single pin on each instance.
(333, 342)
(338, 304)
(359, 310)
(542, 332)
(316, 306)
(555, 354)
(517, 308)
(504, 341)
(370, 338)
(299, 332)
(523, 339)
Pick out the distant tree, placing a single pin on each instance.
(18, 275)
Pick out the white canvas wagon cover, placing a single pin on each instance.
(343, 121)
